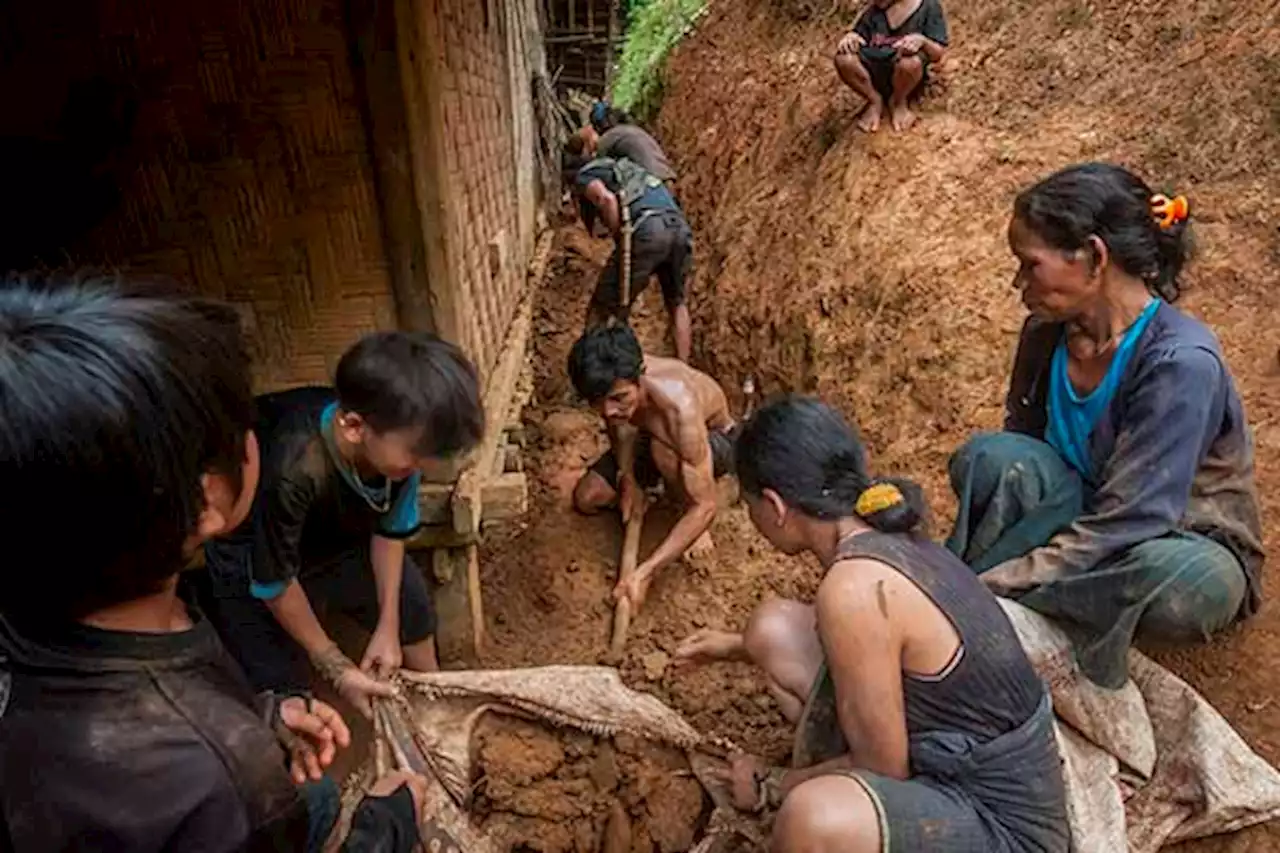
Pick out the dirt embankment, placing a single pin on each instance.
(874, 271)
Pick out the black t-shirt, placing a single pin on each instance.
(928, 20)
(311, 509)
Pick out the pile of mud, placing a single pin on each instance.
(564, 792)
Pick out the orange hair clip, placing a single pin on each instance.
(1170, 211)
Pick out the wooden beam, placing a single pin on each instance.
(499, 395)
(422, 75)
(504, 498)
(373, 36)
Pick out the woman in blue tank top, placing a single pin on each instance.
(921, 724)
(1120, 497)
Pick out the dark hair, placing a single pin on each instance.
(412, 380)
(805, 451)
(1113, 204)
(114, 401)
(603, 356)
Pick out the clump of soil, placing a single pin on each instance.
(565, 792)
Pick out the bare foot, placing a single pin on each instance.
(902, 118)
(703, 546)
(869, 118)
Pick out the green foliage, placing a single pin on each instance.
(654, 27)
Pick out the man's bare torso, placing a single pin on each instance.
(675, 393)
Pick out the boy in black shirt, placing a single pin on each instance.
(886, 57)
(337, 498)
(124, 725)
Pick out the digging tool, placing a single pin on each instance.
(626, 567)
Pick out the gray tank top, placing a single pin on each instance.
(988, 689)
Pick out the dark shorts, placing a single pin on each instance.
(880, 62)
(266, 652)
(647, 474)
(661, 245)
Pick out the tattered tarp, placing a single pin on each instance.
(1148, 765)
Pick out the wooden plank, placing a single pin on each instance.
(505, 497)
(372, 41)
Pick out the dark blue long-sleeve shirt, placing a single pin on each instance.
(1172, 452)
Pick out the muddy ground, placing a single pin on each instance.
(874, 271)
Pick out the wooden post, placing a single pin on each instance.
(372, 41)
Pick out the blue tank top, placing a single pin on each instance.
(1072, 417)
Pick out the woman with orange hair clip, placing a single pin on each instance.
(1120, 498)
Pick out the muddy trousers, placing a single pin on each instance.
(324, 804)
(1015, 493)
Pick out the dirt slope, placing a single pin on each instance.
(874, 271)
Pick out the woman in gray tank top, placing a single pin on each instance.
(921, 725)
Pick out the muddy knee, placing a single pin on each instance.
(830, 814)
(782, 639)
(593, 494)
(849, 66)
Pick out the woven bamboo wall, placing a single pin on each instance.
(487, 236)
(244, 169)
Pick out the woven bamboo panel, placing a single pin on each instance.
(484, 226)
(245, 169)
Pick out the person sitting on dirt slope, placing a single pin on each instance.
(339, 497)
(887, 55)
(667, 422)
(921, 723)
(1120, 498)
(124, 724)
(661, 242)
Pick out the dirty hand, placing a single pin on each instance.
(707, 646)
(383, 656)
(319, 732)
(634, 587)
(1010, 577)
(850, 44)
(393, 781)
(352, 684)
(746, 773)
(909, 45)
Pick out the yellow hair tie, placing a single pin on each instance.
(878, 498)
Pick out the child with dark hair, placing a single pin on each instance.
(922, 724)
(341, 469)
(667, 423)
(124, 724)
(1120, 498)
(886, 57)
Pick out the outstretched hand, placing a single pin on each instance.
(850, 44)
(707, 646)
(318, 733)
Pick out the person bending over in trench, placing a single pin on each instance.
(887, 55)
(667, 422)
(1120, 498)
(921, 723)
(617, 138)
(338, 498)
(124, 724)
(661, 241)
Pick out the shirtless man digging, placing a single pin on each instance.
(666, 422)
